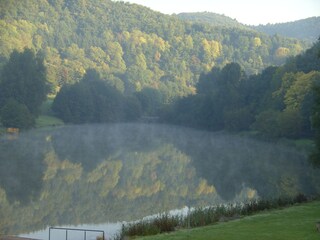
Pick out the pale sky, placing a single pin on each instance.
(251, 12)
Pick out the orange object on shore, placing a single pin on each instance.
(12, 130)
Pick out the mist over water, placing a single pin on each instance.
(90, 174)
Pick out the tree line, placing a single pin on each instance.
(277, 102)
(24, 87)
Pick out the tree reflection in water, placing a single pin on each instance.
(98, 173)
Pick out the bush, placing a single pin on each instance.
(16, 115)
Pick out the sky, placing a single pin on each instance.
(251, 12)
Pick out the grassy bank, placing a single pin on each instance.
(295, 223)
(48, 121)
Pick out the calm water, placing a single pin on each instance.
(90, 175)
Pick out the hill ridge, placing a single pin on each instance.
(307, 29)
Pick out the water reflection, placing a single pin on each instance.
(120, 172)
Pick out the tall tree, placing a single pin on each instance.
(23, 79)
(315, 156)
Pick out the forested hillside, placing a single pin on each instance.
(132, 47)
(279, 102)
(214, 19)
(305, 29)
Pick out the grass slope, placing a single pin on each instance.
(48, 121)
(294, 223)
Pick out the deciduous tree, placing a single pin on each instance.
(23, 79)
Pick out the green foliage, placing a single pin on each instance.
(16, 115)
(23, 79)
(90, 100)
(276, 103)
(218, 101)
(315, 156)
(132, 47)
(132, 108)
(23, 88)
(276, 124)
(137, 50)
(151, 101)
(213, 19)
(238, 119)
(305, 29)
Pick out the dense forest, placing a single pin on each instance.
(277, 102)
(214, 19)
(305, 29)
(131, 46)
(106, 61)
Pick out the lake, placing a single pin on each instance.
(91, 175)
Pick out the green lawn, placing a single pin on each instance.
(47, 121)
(294, 223)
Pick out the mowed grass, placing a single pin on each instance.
(294, 223)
